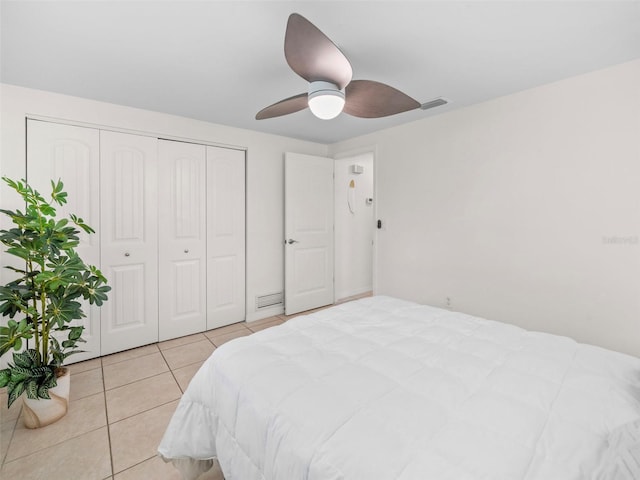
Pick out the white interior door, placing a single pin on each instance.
(129, 228)
(183, 242)
(56, 151)
(225, 236)
(308, 223)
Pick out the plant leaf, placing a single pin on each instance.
(22, 360)
(31, 388)
(43, 392)
(5, 376)
(14, 391)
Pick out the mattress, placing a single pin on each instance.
(383, 388)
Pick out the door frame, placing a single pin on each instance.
(354, 152)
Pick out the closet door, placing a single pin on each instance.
(225, 236)
(56, 151)
(129, 227)
(182, 241)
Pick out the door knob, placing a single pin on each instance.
(291, 240)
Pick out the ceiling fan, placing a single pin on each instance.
(313, 56)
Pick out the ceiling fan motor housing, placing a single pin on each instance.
(326, 100)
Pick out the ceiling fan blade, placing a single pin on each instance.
(284, 107)
(312, 55)
(369, 99)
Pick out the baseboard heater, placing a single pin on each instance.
(270, 300)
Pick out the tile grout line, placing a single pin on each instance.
(127, 359)
(145, 411)
(51, 444)
(21, 457)
(183, 345)
(184, 366)
(172, 374)
(267, 327)
(138, 379)
(114, 473)
(13, 431)
(250, 332)
(135, 465)
(106, 414)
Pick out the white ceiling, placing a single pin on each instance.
(223, 61)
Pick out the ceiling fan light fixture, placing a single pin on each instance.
(326, 100)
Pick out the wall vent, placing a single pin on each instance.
(264, 301)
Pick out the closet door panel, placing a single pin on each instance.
(71, 154)
(182, 243)
(225, 236)
(129, 226)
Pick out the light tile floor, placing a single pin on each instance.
(119, 408)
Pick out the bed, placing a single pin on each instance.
(383, 388)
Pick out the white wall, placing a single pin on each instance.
(353, 229)
(524, 209)
(265, 273)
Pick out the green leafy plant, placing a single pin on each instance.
(44, 298)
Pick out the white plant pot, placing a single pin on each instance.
(41, 412)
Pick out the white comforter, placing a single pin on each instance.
(386, 389)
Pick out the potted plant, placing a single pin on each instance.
(43, 302)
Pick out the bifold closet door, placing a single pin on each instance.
(129, 228)
(71, 154)
(183, 238)
(225, 236)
